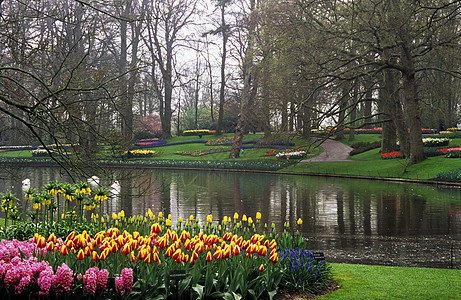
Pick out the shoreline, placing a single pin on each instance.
(137, 164)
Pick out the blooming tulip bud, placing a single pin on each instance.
(261, 268)
(80, 255)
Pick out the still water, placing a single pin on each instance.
(354, 221)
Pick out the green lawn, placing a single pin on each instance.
(379, 282)
(365, 164)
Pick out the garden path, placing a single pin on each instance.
(333, 151)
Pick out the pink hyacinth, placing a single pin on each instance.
(95, 280)
(44, 281)
(124, 283)
(62, 281)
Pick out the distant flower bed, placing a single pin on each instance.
(454, 152)
(163, 143)
(219, 142)
(198, 132)
(198, 153)
(149, 142)
(300, 154)
(435, 142)
(391, 155)
(139, 153)
(41, 152)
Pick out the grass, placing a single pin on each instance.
(365, 164)
(380, 282)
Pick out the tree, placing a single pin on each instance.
(164, 25)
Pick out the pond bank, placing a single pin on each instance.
(216, 165)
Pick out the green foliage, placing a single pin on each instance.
(23, 231)
(453, 154)
(451, 135)
(452, 175)
(361, 147)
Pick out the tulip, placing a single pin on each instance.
(236, 250)
(217, 254)
(244, 218)
(258, 216)
(52, 238)
(50, 246)
(209, 257)
(274, 257)
(168, 223)
(80, 255)
(126, 249)
(261, 268)
(41, 242)
(236, 216)
(209, 219)
(148, 259)
(95, 256)
(132, 257)
(262, 251)
(299, 222)
(64, 250)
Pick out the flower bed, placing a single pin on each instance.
(41, 152)
(226, 258)
(198, 153)
(139, 153)
(198, 132)
(300, 154)
(454, 152)
(435, 142)
(131, 257)
(391, 155)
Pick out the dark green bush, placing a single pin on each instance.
(364, 146)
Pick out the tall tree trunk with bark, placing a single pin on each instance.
(248, 91)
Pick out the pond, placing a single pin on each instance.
(350, 220)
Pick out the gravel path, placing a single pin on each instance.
(333, 151)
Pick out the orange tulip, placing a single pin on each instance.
(262, 251)
(64, 250)
(199, 248)
(184, 236)
(132, 257)
(52, 238)
(41, 242)
(80, 255)
(50, 246)
(217, 254)
(176, 254)
(209, 257)
(156, 228)
(236, 250)
(148, 258)
(126, 249)
(261, 268)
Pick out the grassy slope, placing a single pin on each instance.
(379, 282)
(371, 164)
(364, 164)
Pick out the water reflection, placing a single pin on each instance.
(336, 210)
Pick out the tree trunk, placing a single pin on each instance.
(413, 114)
(223, 71)
(247, 92)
